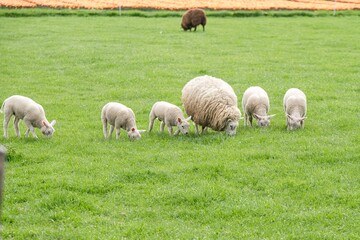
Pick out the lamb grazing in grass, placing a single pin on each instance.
(211, 102)
(256, 105)
(119, 116)
(192, 18)
(295, 108)
(169, 115)
(32, 113)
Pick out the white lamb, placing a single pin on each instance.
(119, 116)
(211, 102)
(295, 108)
(32, 113)
(256, 104)
(169, 115)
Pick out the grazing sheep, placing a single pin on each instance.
(256, 104)
(211, 102)
(119, 116)
(33, 114)
(192, 18)
(295, 108)
(169, 115)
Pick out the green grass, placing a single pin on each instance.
(260, 184)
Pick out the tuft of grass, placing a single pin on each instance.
(262, 183)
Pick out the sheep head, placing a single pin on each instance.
(294, 122)
(134, 134)
(48, 128)
(263, 121)
(231, 126)
(183, 125)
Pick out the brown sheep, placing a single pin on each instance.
(192, 18)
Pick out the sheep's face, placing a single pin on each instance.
(263, 121)
(231, 126)
(134, 134)
(184, 26)
(47, 128)
(294, 123)
(183, 125)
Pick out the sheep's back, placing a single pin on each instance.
(195, 17)
(23, 106)
(294, 92)
(117, 112)
(253, 97)
(295, 101)
(204, 96)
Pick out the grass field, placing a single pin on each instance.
(260, 184)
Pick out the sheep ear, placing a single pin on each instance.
(289, 116)
(45, 124)
(302, 119)
(179, 120)
(133, 129)
(271, 116)
(53, 122)
(188, 119)
(142, 131)
(257, 116)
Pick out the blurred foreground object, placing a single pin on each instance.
(2, 163)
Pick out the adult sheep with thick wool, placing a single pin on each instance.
(30, 112)
(211, 102)
(295, 108)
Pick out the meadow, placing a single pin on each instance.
(260, 184)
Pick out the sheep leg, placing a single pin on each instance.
(170, 130)
(16, 126)
(30, 128)
(104, 122)
(250, 120)
(27, 132)
(287, 123)
(302, 123)
(151, 122)
(117, 133)
(177, 132)
(162, 125)
(203, 129)
(195, 29)
(203, 28)
(6, 122)
(245, 119)
(197, 129)
(111, 131)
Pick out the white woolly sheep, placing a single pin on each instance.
(169, 115)
(32, 113)
(211, 102)
(119, 116)
(256, 104)
(295, 108)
